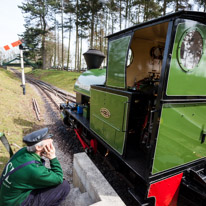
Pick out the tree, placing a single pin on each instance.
(69, 42)
(151, 10)
(165, 5)
(31, 40)
(83, 19)
(94, 7)
(128, 5)
(83, 23)
(202, 4)
(36, 16)
(77, 36)
(50, 45)
(181, 4)
(120, 8)
(112, 11)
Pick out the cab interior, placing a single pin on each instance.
(143, 71)
(146, 54)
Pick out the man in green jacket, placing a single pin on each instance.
(25, 180)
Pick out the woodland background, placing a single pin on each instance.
(57, 32)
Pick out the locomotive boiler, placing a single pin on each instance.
(148, 107)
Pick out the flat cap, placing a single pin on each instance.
(37, 136)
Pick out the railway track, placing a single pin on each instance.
(55, 94)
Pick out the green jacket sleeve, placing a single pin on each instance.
(39, 176)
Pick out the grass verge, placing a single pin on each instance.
(17, 117)
(61, 79)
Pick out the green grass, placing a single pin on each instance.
(17, 117)
(26, 69)
(61, 79)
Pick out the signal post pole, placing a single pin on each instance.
(22, 69)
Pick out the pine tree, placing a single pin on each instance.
(181, 4)
(165, 5)
(31, 40)
(151, 10)
(37, 17)
(68, 25)
(201, 4)
(50, 45)
(112, 11)
(146, 10)
(94, 7)
(56, 12)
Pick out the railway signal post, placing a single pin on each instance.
(22, 69)
(21, 48)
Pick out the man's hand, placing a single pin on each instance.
(49, 151)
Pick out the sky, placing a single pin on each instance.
(11, 21)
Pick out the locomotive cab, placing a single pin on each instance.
(149, 107)
(122, 110)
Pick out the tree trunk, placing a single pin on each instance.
(96, 35)
(80, 55)
(100, 39)
(101, 34)
(129, 13)
(77, 36)
(146, 11)
(138, 17)
(78, 68)
(44, 66)
(177, 5)
(58, 48)
(126, 13)
(44, 25)
(92, 28)
(62, 21)
(120, 15)
(164, 7)
(106, 23)
(76, 47)
(69, 43)
(55, 41)
(112, 23)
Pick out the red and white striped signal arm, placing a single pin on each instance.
(14, 44)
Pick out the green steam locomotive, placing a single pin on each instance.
(148, 107)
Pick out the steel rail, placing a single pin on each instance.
(49, 89)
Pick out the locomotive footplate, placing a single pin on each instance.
(193, 186)
(134, 162)
(79, 117)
